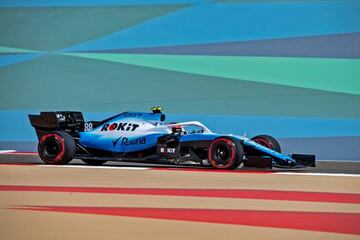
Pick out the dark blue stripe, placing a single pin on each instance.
(330, 46)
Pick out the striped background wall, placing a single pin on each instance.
(287, 68)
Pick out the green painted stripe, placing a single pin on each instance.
(15, 50)
(335, 75)
(43, 83)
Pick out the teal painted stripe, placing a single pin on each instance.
(4, 49)
(336, 75)
(125, 86)
(72, 3)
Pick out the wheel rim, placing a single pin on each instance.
(52, 148)
(221, 154)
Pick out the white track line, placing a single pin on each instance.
(22, 153)
(95, 167)
(340, 161)
(7, 151)
(319, 174)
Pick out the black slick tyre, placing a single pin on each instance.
(225, 153)
(267, 141)
(57, 148)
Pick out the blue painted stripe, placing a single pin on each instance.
(15, 125)
(6, 60)
(326, 46)
(276, 126)
(235, 22)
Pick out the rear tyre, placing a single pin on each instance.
(267, 141)
(225, 153)
(93, 162)
(57, 148)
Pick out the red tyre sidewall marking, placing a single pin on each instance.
(59, 138)
(232, 158)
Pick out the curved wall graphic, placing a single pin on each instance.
(286, 68)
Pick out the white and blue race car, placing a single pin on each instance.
(145, 137)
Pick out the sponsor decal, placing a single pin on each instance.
(136, 141)
(127, 142)
(119, 127)
(88, 126)
(60, 117)
(116, 141)
(167, 150)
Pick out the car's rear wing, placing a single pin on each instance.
(68, 121)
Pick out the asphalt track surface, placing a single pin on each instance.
(349, 167)
(151, 201)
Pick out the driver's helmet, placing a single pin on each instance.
(177, 129)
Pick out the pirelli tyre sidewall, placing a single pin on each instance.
(57, 147)
(268, 141)
(225, 153)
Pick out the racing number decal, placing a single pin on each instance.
(88, 127)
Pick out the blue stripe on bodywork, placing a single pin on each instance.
(267, 151)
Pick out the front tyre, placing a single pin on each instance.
(57, 148)
(225, 153)
(267, 141)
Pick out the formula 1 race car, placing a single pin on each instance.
(144, 137)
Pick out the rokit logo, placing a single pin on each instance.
(119, 127)
(127, 142)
